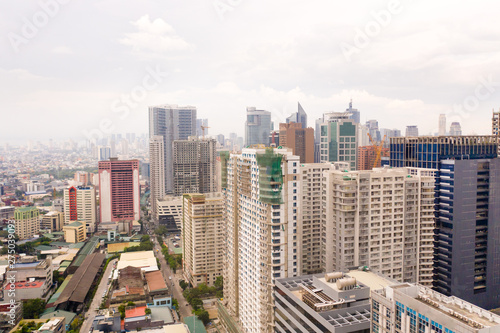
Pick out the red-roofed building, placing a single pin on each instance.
(136, 317)
(26, 289)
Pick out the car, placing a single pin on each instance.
(170, 278)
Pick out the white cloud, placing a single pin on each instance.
(154, 38)
(62, 50)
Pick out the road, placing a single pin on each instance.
(185, 311)
(96, 302)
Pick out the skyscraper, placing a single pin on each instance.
(411, 130)
(119, 190)
(194, 166)
(201, 131)
(338, 135)
(373, 129)
(495, 128)
(383, 219)
(299, 117)
(301, 140)
(257, 127)
(104, 153)
(442, 125)
(261, 234)
(455, 129)
(203, 235)
(355, 114)
(172, 122)
(80, 205)
(156, 172)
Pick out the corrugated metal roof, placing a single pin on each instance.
(79, 285)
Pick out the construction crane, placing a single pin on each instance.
(203, 130)
(378, 149)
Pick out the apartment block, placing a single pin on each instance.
(310, 213)
(53, 220)
(119, 190)
(261, 192)
(383, 219)
(194, 162)
(27, 222)
(203, 236)
(80, 204)
(409, 307)
(156, 172)
(257, 127)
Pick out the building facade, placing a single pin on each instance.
(171, 122)
(301, 140)
(338, 139)
(299, 117)
(27, 222)
(411, 131)
(119, 190)
(257, 127)
(261, 193)
(194, 166)
(455, 129)
(80, 204)
(156, 172)
(383, 219)
(74, 232)
(367, 157)
(53, 220)
(203, 236)
(495, 127)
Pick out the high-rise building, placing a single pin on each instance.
(442, 125)
(104, 153)
(310, 210)
(383, 219)
(27, 222)
(367, 156)
(221, 140)
(338, 139)
(301, 140)
(299, 117)
(80, 205)
(261, 239)
(82, 178)
(201, 127)
(172, 122)
(411, 130)
(355, 114)
(194, 166)
(428, 151)
(170, 213)
(466, 211)
(119, 190)
(410, 307)
(257, 127)
(372, 126)
(467, 263)
(53, 220)
(455, 129)
(495, 128)
(203, 235)
(156, 172)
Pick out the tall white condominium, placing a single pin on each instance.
(80, 205)
(257, 127)
(310, 228)
(203, 235)
(381, 218)
(172, 122)
(194, 163)
(455, 129)
(442, 125)
(156, 172)
(261, 191)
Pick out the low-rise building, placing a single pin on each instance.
(53, 221)
(74, 232)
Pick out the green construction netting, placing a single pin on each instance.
(270, 177)
(224, 157)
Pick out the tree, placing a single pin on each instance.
(175, 303)
(33, 308)
(219, 287)
(202, 314)
(145, 238)
(161, 230)
(57, 277)
(183, 284)
(147, 311)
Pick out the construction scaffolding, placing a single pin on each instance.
(270, 177)
(224, 157)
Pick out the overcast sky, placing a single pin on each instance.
(80, 66)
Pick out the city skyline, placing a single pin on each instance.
(404, 71)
